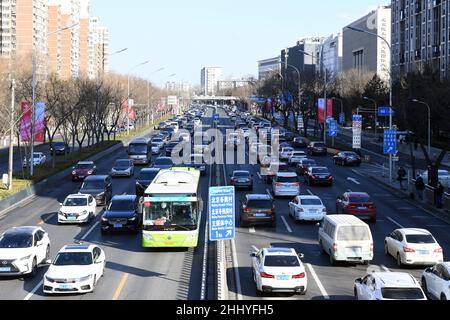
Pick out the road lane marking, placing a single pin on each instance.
(252, 230)
(255, 248)
(46, 219)
(205, 250)
(286, 224)
(385, 268)
(310, 192)
(269, 193)
(28, 297)
(319, 284)
(90, 230)
(395, 222)
(259, 176)
(120, 287)
(354, 181)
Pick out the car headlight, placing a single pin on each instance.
(85, 278)
(84, 212)
(190, 238)
(104, 219)
(25, 258)
(132, 219)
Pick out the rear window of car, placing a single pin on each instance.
(287, 179)
(311, 202)
(241, 174)
(281, 261)
(309, 163)
(420, 239)
(164, 161)
(353, 233)
(402, 293)
(319, 145)
(320, 171)
(360, 199)
(260, 204)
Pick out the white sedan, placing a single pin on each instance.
(296, 157)
(307, 208)
(279, 270)
(22, 250)
(38, 159)
(76, 269)
(286, 153)
(77, 208)
(413, 247)
(436, 281)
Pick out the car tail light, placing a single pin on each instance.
(267, 276)
(352, 206)
(147, 204)
(247, 210)
(330, 178)
(439, 250)
(408, 250)
(313, 177)
(299, 276)
(278, 184)
(371, 247)
(335, 247)
(371, 206)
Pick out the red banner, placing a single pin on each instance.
(131, 111)
(25, 123)
(330, 108)
(321, 111)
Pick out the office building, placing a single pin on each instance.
(420, 35)
(329, 56)
(209, 78)
(268, 66)
(365, 52)
(301, 57)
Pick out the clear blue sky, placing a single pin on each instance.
(185, 35)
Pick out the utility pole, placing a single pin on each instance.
(33, 118)
(11, 136)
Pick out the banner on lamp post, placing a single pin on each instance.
(39, 126)
(321, 105)
(329, 108)
(25, 121)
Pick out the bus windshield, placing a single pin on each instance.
(162, 215)
(138, 149)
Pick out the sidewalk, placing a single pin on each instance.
(409, 195)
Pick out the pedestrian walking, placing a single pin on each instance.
(439, 195)
(401, 176)
(420, 187)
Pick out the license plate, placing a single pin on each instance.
(65, 286)
(424, 252)
(362, 208)
(5, 269)
(282, 278)
(118, 226)
(72, 218)
(312, 211)
(81, 177)
(260, 215)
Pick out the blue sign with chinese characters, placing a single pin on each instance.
(390, 141)
(342, 118)
(221, 213)
(385, 111)
(333, 128)
(216, 117)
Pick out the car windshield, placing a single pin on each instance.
(36, 156)
(319, 145)
(137, 149)
(281, 261)
(121, 205)
(75, 202)
(73, 259)
(360, 199)
(84, 166)
(320, 171)
(309, 163)
(163, 162)
(260, 204)
(420, 239)
(402, 293)
(241, 174)
(92, 185)
(349, 154)
(353, 233)
(122, 163)
(287, 180)
(147, 175)
(157, 140)
(311, 202)
(16, 241)
(171, 214)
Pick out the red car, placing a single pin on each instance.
(358, 204)
(83, 170)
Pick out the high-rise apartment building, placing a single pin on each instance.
(365, 52)
(209, 78)
(84, 38)
(98, 48)
(70, 39)
(420, 34)
(54, 37)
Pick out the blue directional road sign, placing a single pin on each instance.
(385, 111)
(216, 117)
(333, 128)
(342, 118)
(390, 141)
(221, 213)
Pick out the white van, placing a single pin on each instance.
(346, 238)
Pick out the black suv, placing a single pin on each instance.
(60, 148)
(258, 209)
(317, 148)
(124, 213)
(100, 187)
(145, 178)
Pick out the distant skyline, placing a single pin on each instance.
(184, 36)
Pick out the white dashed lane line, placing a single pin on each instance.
(286, 224)
(395, 222)
(318, 282)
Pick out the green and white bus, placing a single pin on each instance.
(172, 209)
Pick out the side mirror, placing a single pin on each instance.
(253, 254)
(301, 255)
(359, 280)
(60, 204)
(47, 262)
(429, 270)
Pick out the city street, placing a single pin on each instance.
(136, 273)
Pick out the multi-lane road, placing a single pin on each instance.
(144, 274)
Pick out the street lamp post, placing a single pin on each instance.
(429, 123)
(33, 98)
(148, 97)
(128, 94)
(391, 82)
(376, 112)
(110, 55)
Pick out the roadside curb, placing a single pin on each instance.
(441, 215)
(10, 203)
